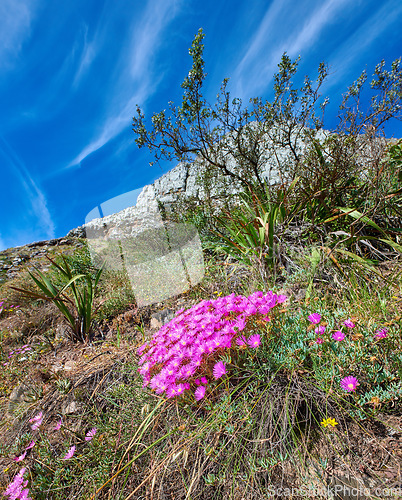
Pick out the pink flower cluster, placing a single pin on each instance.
(182, 349)
(3, 307)
(17, 489)
(315, 319)
(20, 350)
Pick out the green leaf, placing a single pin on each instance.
(359, 216)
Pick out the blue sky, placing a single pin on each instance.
(71, 74)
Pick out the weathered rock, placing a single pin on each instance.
(180, 182)
(160, 318)
(69, 365)
(20, 394)
(70, 407)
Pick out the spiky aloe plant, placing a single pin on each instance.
(76, 307)
(250, 232)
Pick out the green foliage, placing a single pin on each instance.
(227, 130)
(385, 103)
(79, 262)
(78, 309)
(395, 158)
(249, 232)
(364, 243)
(117, 293)
(290, 344)
(235, 141)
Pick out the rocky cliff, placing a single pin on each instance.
(183, 181)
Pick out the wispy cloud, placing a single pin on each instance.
(315, 24)
(269, 43)
(88, 54)
(259, 40)
(363, 38)
(42, 225)
(113, 126)
(135, 70)
(15, 22)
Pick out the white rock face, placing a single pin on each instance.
(182, 181)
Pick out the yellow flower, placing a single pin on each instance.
(329, 422)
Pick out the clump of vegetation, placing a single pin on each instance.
(78, 309)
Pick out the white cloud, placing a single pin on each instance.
(113, 126)
(15, 22)
(269, 43)
(361, 40)
(43, 223)
(88, 54)
(259, 41)
(147, 34)
(135, 70)
(315, 24)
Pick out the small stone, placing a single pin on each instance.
(62, 332)
(161, 317)
(69, 365)
(69, 408)
(155, 323)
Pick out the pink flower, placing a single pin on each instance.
(21, 457)
(319, 330)
(186, 371)
(381, 334)
(254, 341)
(241, 341)
(197, 381)
(281, 298)
(204, 380)
(36, 421)
(180, 388)
(31, 445)
(319, 340)
(338, 335)
(161, 388)
(57, 427)
(171, 391)
(36, 418)
(199, 393)
(314, 318)
(69, 454)
(240, 324)
(349, 384)
(24, 495)
(250, 309)
(14, 489)
(197, 360)
(219, 369)
(90, 434)
(349, 323)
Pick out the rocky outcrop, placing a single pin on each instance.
(12, 260)
(182, 182)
